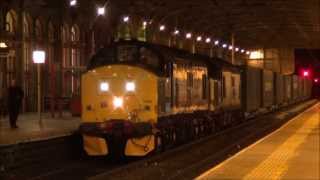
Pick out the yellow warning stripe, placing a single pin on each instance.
(277, 163)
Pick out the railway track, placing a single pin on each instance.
(188, 161)
(181, 162)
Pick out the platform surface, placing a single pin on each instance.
(292, 152)
(30, 130)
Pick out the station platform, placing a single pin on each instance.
(30, 130)
(291, 152)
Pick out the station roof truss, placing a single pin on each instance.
(274, 23)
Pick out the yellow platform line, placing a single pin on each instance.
(278, 162)
(205, 174)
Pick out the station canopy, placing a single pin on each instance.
(272, 23)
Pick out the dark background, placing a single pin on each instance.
(309, 59)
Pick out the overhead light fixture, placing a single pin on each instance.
(242, 51)
(216, 42)
(248, 52)
(126, 19)
(188, 35)
(176, 32)
(73, 2)
(145, 23)
(101, 11)
(230, 47)
(162, 28)
(224, 45)
(237, 49)
(3, 45)
(199, 38)
(208, 40)
(38, 56)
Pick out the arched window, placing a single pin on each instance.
(65, 33)
(11, 21)
(75, 35)
(51, 32)
(38, 29)
(26, 26)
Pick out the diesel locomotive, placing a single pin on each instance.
(139, 97)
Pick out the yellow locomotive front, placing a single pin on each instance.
(119, 110)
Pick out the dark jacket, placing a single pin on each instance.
(15, 96)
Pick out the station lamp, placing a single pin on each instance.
(162, 27)
(248, 52)
(230, 47)
(39, 57)
(101, 11)
(224, 45)
(3, 45)
(145, 23)
(126, 19)
(208, 40)
(316, 80)
(242, 51)
(216, 42)
(73, 3)
(188, 35)
(176, 32)
(199, 38)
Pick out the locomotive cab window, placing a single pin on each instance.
(148, 57)
(127, 53)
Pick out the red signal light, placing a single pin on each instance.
(305, 73)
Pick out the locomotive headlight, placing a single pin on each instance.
(117, 102)
(104, 87)
(130, 86)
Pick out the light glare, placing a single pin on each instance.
(38, 57)
(3, 45)
(104, 86)
(117, 102)
(162, 27)
(188, 35)
(126, 19)
(101, 11)
(73, 2)
(130, 86)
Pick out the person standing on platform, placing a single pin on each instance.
(15, 96)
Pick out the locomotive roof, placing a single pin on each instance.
(108, 55)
